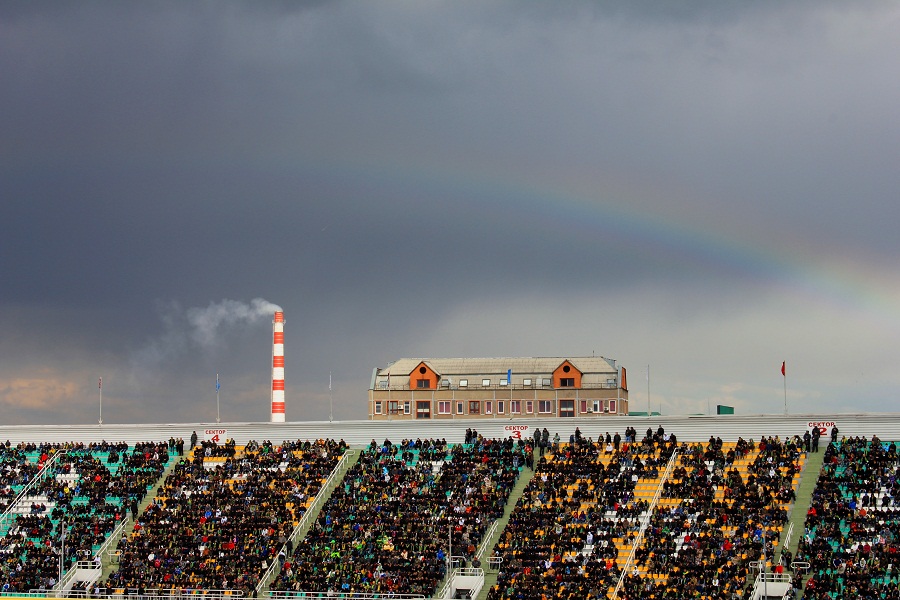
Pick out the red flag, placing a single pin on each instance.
(782, 369)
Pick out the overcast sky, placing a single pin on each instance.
(707, 188)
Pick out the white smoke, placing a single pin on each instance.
(199, 327)
(205, 323)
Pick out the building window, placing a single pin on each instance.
(488, 407)
(378, 407)
(474, 407)
(526, 382)
(515, 406)
(545, 382)
(567, 408)
(485, 383)
(499, 407)
(393, 407)
(566, 382)
(610, 383)
(583, 406)
(545, 406)
(459, 407)
(503, 383)
(406, 408)
(612, 406)
(444, 407)
(423, 384)
(529, 406)
(423, 409)
(463, 383)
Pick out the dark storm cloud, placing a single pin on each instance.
(389, 170)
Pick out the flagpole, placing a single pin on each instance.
(217, 399)
(784, 377)
(100, 385)
(330, 400)
(649, 413)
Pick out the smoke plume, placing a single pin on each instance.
(205, 323)
(200, 327)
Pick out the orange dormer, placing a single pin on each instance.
(566, 376)
(423, 377)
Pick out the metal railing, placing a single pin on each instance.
(113, 539)
(303, 595)
(460, 572)
(340, 467)
(645, 522)
(487, 538)
(787, 537)
(148, 594)
(60, 587)
(10, 513)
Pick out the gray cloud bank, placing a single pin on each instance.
(707, 187)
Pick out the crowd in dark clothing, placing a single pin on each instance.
(564, 535)
(83, 496)
(219, 524)
(402, 509)
(852, 530)
(713, 521)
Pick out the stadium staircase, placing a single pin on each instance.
(109, 560)
(309, 518)
(491, 570)
(808, 480)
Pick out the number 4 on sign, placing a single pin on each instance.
(215, 439)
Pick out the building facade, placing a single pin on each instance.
(490, 388)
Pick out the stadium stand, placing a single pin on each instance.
(70, 505)
(222, 516)
(577, 518)
(388, 528)
(853, 522)
(615, 518)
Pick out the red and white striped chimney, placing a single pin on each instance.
(278, 368)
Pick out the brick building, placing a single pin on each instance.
(486, 388)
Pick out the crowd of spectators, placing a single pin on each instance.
(565, 533)
(220, 524)
(74, 505)
(713, 520)
(401, 511)
(852, 528)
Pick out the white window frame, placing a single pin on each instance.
(485, 383)
(499, 407)
(407, 408)
(545, 406)
(529, 407)
(526, 382)
(378, 408)
(515, 407)
(460, 407)
(463, 383)
(444, 407)
(488, 407)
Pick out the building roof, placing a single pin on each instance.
(519, 365)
